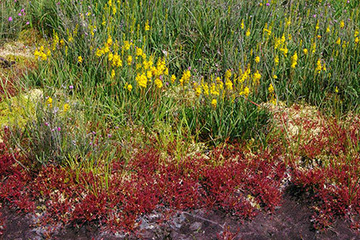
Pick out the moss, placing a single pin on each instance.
(18, 110)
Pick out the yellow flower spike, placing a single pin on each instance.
(288, 22)
(110, 56)
(158, 83)
(99, 52)
(242, 24)
(173, 78)
(256, 78)
(66, 107)
(273, 101)
(276, 60)
(271, 88)
(147, 26)
(247, 32)
(80, 59)
(294, 59)
(228, 84)
(112, 73)
(317, 26)
(342, 24)
(336, 89)
(36, 53)
(109, 41)
(149, 74)
(43, 56)
(257, 59)
(338, 41)
(129, 87)
(228, 74)
(129, 60)
(305, 51)
(318, 66)
(126, 45)
(214, 103)
(49, 101)
(141, 80)
(139, 52)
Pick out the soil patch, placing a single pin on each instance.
(291, 220)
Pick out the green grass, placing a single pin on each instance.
(234, 51)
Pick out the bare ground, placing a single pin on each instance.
(291, 220)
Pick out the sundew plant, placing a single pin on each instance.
(179, 104)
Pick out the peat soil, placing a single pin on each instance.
(291, 220)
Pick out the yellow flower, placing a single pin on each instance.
(228, 74)
(284, 50)
(49, 101)
(276, 60)
(336, 89)
(116, 62)
(229, 84)
(271, 88)
(275, 76)
(318, 66)
(305, 51)
(214, 103)
(214, 90)
(245, 92)
(256, 77)
(158, 83)
(257, 59)
(147, 26)
(129, 87)
(273, 101)
(129, 60)
(141, 80)
(109, 41)
(342, 24)
(247, 32)
(294, 59)
(80, 59)
(66, 107)
(112, 73)
(110, 56)
(149, 74)
(338, 42)
(242, 24)
(127, 45)
(139, 52)
(357, 40)
(37, 53)
(185, 77)
(99, 52)
(173, 78)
